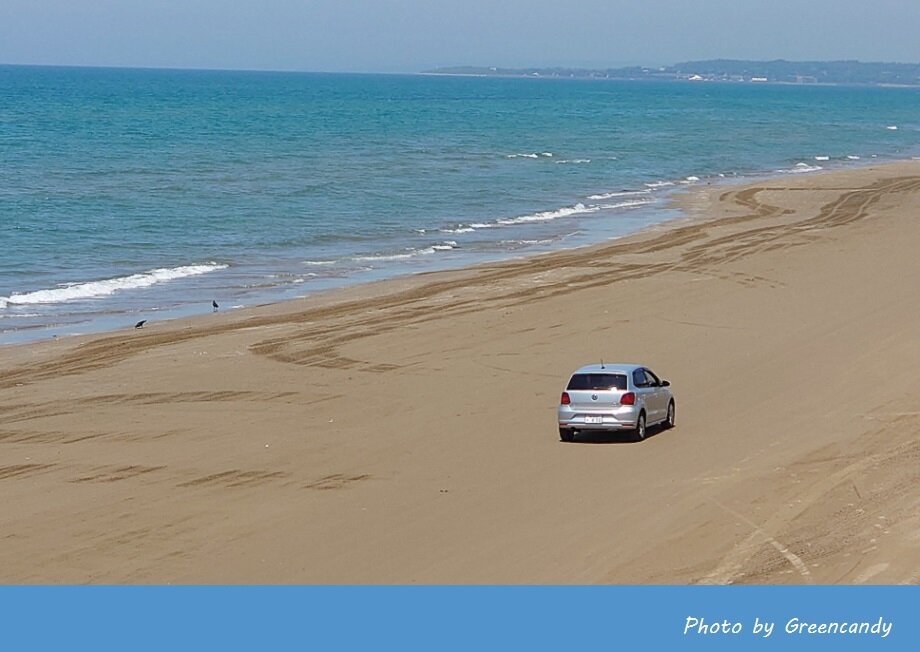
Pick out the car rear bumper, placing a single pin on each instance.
(623, 418)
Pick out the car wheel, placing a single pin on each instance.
(639, 432)
(566, 434)
(669, 420)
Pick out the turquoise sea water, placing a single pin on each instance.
(145, 194)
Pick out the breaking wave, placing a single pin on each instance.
(620, 193)
(447, 245)
(547, 216)
(531, 155)
(800, 168)
(105, 287)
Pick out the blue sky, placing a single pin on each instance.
(411, 35)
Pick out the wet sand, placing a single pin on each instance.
(404, 431)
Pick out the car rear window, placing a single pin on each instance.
(597, 381)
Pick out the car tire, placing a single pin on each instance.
(668, 422)
(640, 431)
(566, 434)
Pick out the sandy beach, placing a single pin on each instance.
(404, 431)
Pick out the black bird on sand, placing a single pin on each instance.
(214, 305)
(140, 324)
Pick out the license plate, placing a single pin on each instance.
(589, 419)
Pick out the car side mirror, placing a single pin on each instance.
(665, 383)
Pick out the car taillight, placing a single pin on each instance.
(565, 400)
(628, 399)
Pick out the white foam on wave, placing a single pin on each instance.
(632, 203)
(822, 158)
(531, 155)
(689, 180)
(105, 287)
(621, 193)
(547, 216)
(447, 245)
(319, 262)
(801, 168)
(892, 127)
(513, 243)
(659, 184)
(853, 157)
(544, 216)
(384, 258)
(574, 160)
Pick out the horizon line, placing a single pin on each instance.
(422, 71)
(428, 69)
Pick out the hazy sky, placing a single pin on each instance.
(411, 35)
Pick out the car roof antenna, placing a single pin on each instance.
(602, 363)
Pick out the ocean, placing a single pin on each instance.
(148, 194)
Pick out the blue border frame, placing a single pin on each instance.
(449, 618)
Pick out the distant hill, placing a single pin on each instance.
(778, 71)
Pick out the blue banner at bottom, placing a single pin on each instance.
(460, 618)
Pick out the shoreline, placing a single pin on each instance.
(674, 199)
(403, 431)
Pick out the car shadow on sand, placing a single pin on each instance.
(615, 437)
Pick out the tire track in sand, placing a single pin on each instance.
(734, 564)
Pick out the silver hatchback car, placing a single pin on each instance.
(615, 397)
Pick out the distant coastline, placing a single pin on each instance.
(724, 70)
